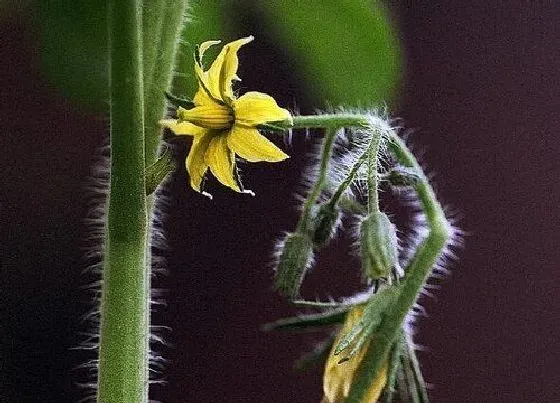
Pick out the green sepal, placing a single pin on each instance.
(372, 317)
(394, 367)
(178, 101)
(413, 373)
(321, 304)
(354, 336)
(307, 321)
(157, 172)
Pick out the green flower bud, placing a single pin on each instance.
(296, 255)
(378, 246)
(324, 224)
(403, 176)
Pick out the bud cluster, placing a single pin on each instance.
(355, 166)
(372, 355)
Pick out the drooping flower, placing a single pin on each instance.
(338, 376)
(222, 125)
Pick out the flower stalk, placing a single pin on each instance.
(326, 152)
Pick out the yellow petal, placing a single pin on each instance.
(255, 108)
(204, 46)
(224, 69)
(202, 97)
(205, 92)
(183, 128)
(222, 161)
(209, 116)
(196, 162)
(249, 144)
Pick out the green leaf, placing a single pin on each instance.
(207, 23)
(346, 50)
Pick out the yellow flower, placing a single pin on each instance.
(222, 125)
(338, 378)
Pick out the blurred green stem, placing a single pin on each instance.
(160, 61)
(124, 330)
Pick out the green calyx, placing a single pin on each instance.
(378, 242)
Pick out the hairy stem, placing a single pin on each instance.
(348, 180)
(123, 344)
(158, 79)
(152, 21)
(373, 151)
(335, 121)
(416, 273)
(321, 180)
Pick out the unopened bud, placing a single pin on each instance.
(295, 258)
(324, 224)
(403, 176)
(378, 246)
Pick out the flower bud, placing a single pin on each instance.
(403, 176)
(378, 246)
(295, 257)
(324, 224)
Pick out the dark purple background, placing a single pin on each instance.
(481, 90)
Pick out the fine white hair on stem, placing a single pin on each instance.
(96, 193)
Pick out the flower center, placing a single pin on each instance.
(214, 116)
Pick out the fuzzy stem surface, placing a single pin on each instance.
(123, 344)
(336, 121)
(373, 151)
(321, 180)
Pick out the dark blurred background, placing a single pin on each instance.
(477, 81)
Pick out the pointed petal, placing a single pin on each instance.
(255, 108)
(183, 128)
(204, 94)
(204, 46)
(196, 162)
(222, 161)
(224, 70)
(249, 144)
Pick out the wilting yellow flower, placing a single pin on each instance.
(223, 125)
(338, 378)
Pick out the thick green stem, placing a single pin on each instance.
(158, 79)
(417, 271)
(123, 344)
